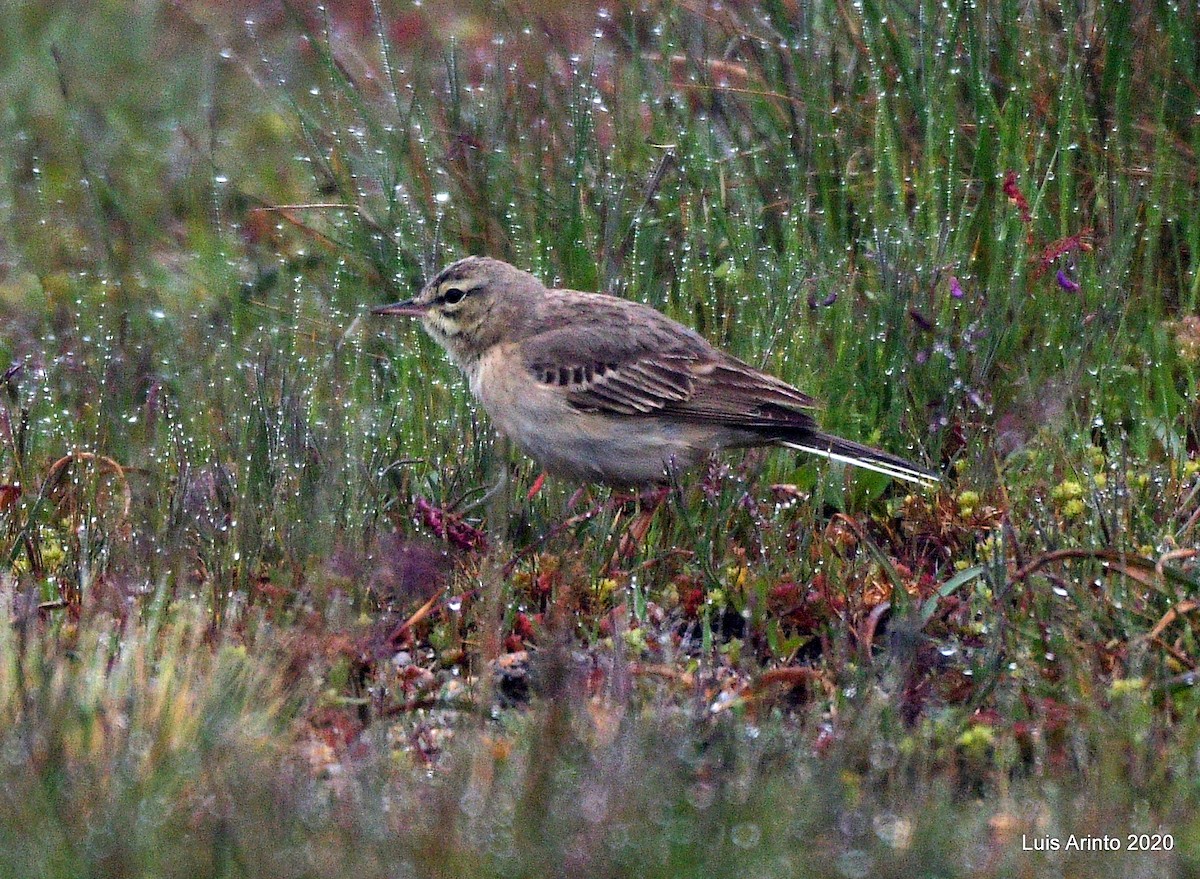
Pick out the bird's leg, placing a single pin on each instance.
(562, 527)
(648, 503)
(497, 500)
(492, 492)
(499, 510)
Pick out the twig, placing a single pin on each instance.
(420, 614)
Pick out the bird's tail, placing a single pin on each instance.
(849, 452)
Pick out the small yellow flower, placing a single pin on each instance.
(977, 739)
(967, 502)
(732, 650)
(737, 576)
(1073, 509)
(1126, 687)
(1067, 490)
(635, 640)
(1136, 479)
(989, 549)
(53, 555)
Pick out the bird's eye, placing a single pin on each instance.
(453, 296)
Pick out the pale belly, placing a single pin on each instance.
(584, 446)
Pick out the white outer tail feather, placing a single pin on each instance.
(886, 468)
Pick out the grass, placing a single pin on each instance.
(253, 627)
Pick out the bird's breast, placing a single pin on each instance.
(509, 393)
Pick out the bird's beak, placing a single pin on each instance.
(409, 308)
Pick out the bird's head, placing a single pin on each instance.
(473, 304)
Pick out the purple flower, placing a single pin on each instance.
(1064, 281)
(956, 289)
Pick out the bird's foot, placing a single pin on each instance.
(487, 496)
(648, 503)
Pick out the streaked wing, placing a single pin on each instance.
(630, 387)
(635, 361)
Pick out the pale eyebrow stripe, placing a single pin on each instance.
(464, 284)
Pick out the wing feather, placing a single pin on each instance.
(624, 358)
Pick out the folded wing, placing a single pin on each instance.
(638, 362)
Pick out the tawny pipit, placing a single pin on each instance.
(601, 389)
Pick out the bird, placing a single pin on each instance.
(600, 389)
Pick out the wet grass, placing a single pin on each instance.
(255, 626)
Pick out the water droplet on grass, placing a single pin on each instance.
(746, 835)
